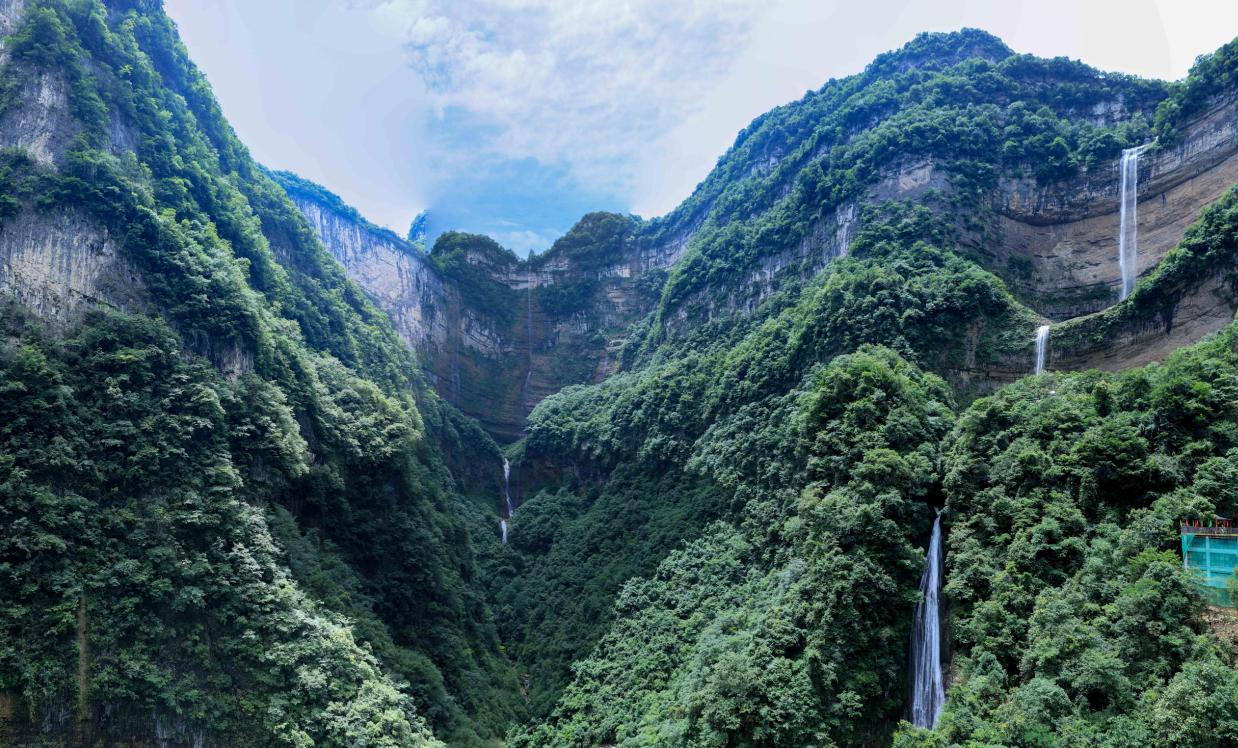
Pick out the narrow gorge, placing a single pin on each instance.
(884, 436)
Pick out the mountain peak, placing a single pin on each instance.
(941, 49)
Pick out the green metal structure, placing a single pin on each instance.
(1210, 554)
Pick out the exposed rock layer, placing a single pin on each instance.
(1055, 245)
(496, 365)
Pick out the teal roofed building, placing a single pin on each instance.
(1210, 553)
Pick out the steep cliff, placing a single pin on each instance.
(833, 356)
(233, 511)
(494, 333)
(1191, 293)
(1056, 244)
(239, 508)
(1022, 176)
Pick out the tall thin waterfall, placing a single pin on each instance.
(507, 494)
(1128, 229)
(507, 499)
(1042, 349)
(928, 689)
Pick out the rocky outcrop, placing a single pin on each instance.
(1197, 313)
(10, 14)
(828, 238)
(398, 277)
(472, 358)
(1057, 245)
(561, 319)
(40, 124)
(56, 265)
(1149, 327)
(40, 118)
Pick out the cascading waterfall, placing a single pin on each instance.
(1042, 349)
(1128, 229)
(507, 495)
(928, 689)
(507, 499)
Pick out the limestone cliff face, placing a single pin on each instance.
(460, 346)
(497, 335)
(400, 278)
(59, 264)
(564, 315)
(1113, 342)
(55, 264)
(10, 14)
(1057, 245)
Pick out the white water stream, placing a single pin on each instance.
(507, 500)
(928, 688)
(1042, 349)
(1128, 229)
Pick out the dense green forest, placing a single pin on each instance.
(235, 513)
(242, 502)
(711, 410)
(810, 477)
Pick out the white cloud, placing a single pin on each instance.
(637, 98)
(588, 84)
(535, 111)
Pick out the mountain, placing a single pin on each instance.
(234, 512)
(1016, 157)
(497, 334)
(250, 473)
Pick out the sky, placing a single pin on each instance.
(515, 117)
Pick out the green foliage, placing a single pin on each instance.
(1212, 79)
(472, 261)
(1072, 616)
(595, 240)
(237, 515)
(975, 117)
(1070, 610)
(708, 417)
(275, 556)
(122, 495)
(741, 637)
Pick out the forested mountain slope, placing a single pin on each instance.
(239, 511)
(1018, 156)
(784, 619)
(232, 511)
(690, 433)
(729, 531)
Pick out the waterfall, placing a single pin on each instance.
(1128, 229)
(507, 500)
(507, 496)
(928, 690)
(1042, 349)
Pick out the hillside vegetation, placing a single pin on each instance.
(230, 515)
(236, 514)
